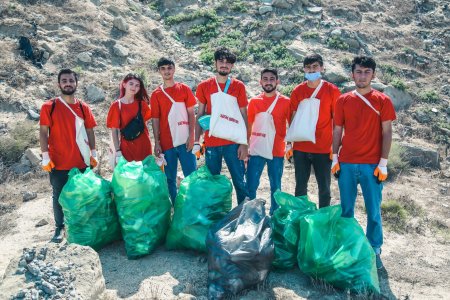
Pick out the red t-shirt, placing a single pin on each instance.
(281, 114)
(161, 106)
(139, 148)
(362, 140)
(62, 145)
(203, 93)
(327, 95)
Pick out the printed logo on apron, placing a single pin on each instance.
(263, 133)
(178, 121)
(303, 126)
(226, 118)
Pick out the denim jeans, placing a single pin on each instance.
(350, 176)
(274, 170)
(322, 170)
(236, 167)
(58, 178)
(188, 165)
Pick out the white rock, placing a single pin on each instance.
(265, 9)
(94, 94)
(84, 57)
(121, 24)
(120, 50)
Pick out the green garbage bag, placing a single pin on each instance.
(286, 227)
(143, 205)
(203, 199)
(335, 249)
(89, 213)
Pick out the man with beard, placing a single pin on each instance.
(214, 94)
(173, 122)
(365, 115)
(317, 153)
(268, 114)
(66, 127)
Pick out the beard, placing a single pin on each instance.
(269, 88)
(68, 92)
(223, 72)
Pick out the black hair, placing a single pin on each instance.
(364, 61)
(312, 58)
(270, 70)
(67, 71)
(224, 53)
(164, 61)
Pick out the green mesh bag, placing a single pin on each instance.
(89, 213)
(335, 249)
(285, 227)
(142, 199)
(203, 199)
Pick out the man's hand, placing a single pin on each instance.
(197, 150)
(381, 172)
(161, 161)
(118, 156)
(157, 149)
(335, 167)
(289, 152)
(243, 152)
(47, 164)
(93, 160)
(190, 143)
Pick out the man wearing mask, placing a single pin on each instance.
(313, 150)
(67, 140)
(225, 100)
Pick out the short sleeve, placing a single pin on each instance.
(45, 118)
(89, 121)
(294, 100)
(339, 112)
(242, 96)
(387, 112)
(200, 93)
(146, 111)
(113, 118)
(154, 104)
(190, 99)
(251, 111)
(336, 93)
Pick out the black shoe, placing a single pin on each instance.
(59, 235)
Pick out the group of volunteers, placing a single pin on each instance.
(346, 135)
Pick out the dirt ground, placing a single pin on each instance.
(417, 261)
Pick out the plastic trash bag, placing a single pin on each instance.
(142, 199)
(335, 249)
(240, 250)
(202, 200)
(286, 227)
(89, 213)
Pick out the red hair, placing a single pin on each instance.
(141, 94)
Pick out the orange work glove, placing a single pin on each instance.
(335, 167)
(161, 161)
(381, 172)
(93, 160)
(47, 164)
(198, 150)
(289, 152)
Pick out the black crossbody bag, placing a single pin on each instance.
(135, 127)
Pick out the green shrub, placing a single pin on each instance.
(398, 83)
(397, 161)
(12, 145)
(182, 17)
(144, 76)
(394, 215)
(233, 5)
(335, 42)
(429, 96)
(271, 54)
(287, 89)
(310, 35)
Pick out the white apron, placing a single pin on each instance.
(303, 126)
(178, 121)
(80, 136)
(263, 133)
(226, 118)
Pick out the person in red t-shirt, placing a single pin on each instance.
(268, 115)
(366, 116)
(224, 89)
(317, 154)
(173, 122)
(133, 98)
(63, 144)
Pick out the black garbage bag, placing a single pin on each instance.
(27, 51)
(240, 250)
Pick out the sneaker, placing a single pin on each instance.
(378, 262)
(59, 235)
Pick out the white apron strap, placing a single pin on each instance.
(67, 105)
(272, 106)
(316, 91)
(167, 95)
(227, 85)
(364, 99)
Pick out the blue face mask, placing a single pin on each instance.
(313, 76)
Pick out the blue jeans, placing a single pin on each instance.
(351, 175)
(188, 165)
(236, 167)
(274, 170)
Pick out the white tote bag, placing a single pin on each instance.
(80, 136)
(226, 118)
(303, 126)
(263, 133)
(178, 121)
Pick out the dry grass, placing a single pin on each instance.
(12, 145)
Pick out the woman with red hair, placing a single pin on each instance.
(127, 118)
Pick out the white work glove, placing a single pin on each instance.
(335, 167)
(196, 150)
(288, 153)
(160, 160)
(381, 172)
(46, 163)
(118, 156)
(93, 160)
